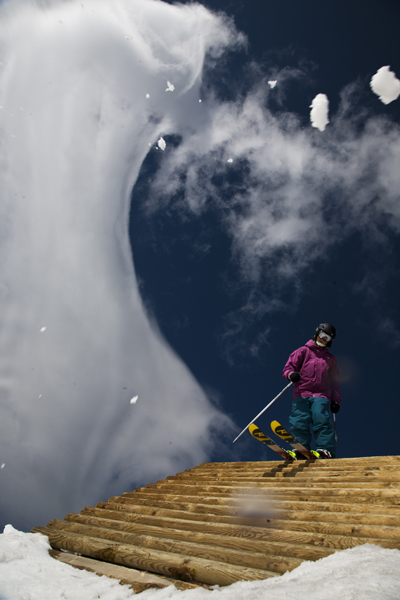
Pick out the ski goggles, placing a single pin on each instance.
(324, 336)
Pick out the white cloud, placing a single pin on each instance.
(319, 112)
(298, 194)
(385, 85)
(67, 432)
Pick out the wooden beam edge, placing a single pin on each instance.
(138, 580)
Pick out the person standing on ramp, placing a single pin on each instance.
(315, 376)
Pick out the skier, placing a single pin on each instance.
(315, 376)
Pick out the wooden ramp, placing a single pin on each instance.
(223, 522)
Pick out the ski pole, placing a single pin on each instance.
(263, 410)
(334, 422)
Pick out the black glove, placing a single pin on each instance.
(295, 376)
(335, 407)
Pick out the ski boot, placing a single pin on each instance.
(324, 453)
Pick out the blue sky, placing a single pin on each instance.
(189, 272)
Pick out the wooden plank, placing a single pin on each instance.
(302, 465)
(312, 512)
(390, 496)
(392, 521)
(231, 526)
(235, 508)
(381, 471)
(304, 505)
(138, 580)
(220, 500)
(294, 467)
(226, 538)
(288, 497)
(207, 551)
(339, 461)
(181, 515)
(335, 464)
(212, 486)
(163, 563)
(342, 529)
(332, 478)
(191, 525)
(238, 464)
(271, 483)
(322, 475)
(342, 522)
(319, 505)
(307, 511)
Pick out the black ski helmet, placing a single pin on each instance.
(327, 328)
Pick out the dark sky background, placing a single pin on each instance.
(195, 294)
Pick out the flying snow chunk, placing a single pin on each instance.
(170, 87)
(3, 465)
(147, 96)
(230, 160)
(319, 112)
(134, 399)
(272, 83)
(161, 143)
(385, 85)
(43, 329)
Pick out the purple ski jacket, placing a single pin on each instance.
(319, 372)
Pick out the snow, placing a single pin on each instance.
(272, 83)
(385, 85)
(170, 87)
(161, 143)
(134, 399)
(319, 112)
(43, 329)
(367, 572)
(28, 572)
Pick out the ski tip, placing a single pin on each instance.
(252, 427)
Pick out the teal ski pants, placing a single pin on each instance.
(313, 412)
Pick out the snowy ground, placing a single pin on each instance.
(367, 572)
